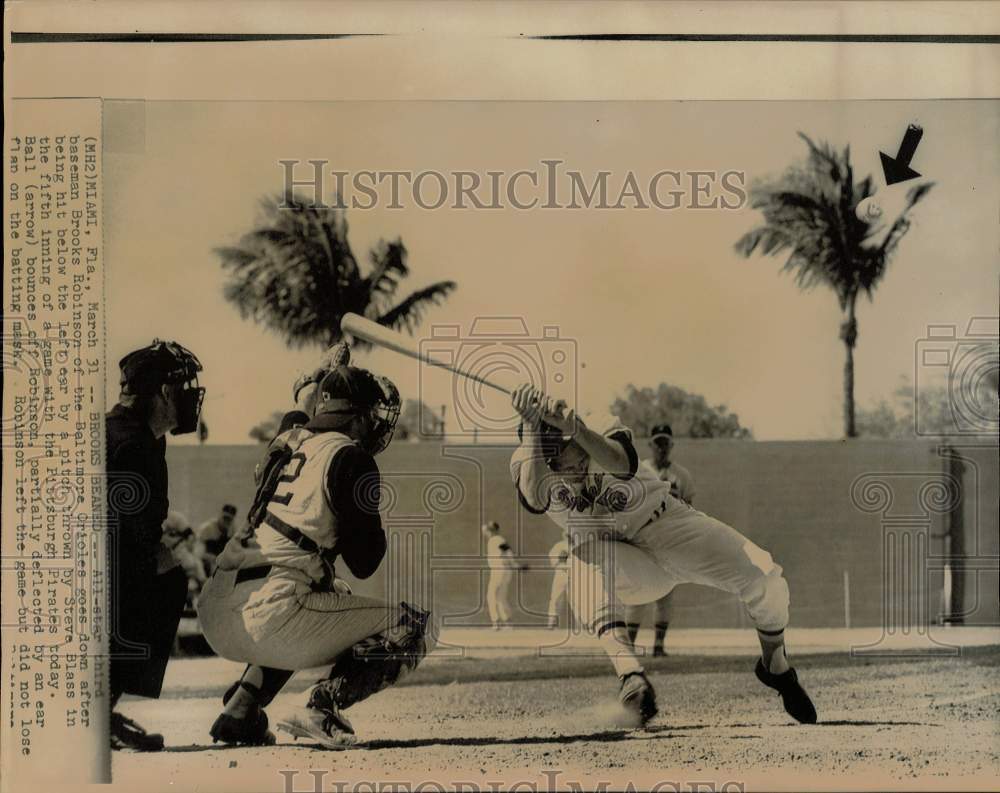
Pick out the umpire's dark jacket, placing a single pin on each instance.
(145, 607)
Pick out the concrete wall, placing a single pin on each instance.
(873, 510)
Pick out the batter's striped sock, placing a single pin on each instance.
(613, 637)
(772, 650)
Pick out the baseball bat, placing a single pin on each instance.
(381, 336)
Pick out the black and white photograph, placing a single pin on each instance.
(497, 441)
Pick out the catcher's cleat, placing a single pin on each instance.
(126, 734)
(638, 696)
(327, 727)
(793, 696)
(251, 730)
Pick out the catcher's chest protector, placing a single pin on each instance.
(299, 499)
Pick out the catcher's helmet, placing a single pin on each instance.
(352, 391)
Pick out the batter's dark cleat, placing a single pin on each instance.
(127, 735)
(793, 696)
(251, 730)
(659, 652)
(637, 695)
(327, 727)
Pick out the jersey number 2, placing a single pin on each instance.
(292, 471)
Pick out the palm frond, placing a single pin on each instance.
(388, 260)
(295, 274)
(809, 214)
(407, 314)
(916, 194)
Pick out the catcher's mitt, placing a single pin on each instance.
(338, 355)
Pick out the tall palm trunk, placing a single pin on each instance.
(849, 335)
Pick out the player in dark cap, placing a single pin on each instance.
(682, 487)
(215, 533)
(159, 394)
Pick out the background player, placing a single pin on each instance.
(214, 534)
(631, 542)
(274, 603)
(681, 487)
(503, 566)
(179, 541)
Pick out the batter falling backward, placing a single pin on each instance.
(274, 602)
(632, 542)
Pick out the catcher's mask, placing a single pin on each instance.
(350, 391)
(144, 371)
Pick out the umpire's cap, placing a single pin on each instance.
(661, 431)
(143, 371)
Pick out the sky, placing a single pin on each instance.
(636, 296)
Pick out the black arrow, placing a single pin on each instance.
(897, 169)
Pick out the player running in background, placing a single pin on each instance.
(681, 487)
(274, 602)
(503, 566)
(631, 542)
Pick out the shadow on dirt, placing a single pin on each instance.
(651, 733)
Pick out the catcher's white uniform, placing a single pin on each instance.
(632, 542)
(273, 600)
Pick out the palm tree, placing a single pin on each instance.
(295, 273)
(809, 211)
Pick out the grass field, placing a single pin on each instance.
(482, 721)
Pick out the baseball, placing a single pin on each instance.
(869, 209)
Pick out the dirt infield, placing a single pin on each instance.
(884, 723)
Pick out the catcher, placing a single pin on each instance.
(274, 601)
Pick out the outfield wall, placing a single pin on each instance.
(865, 517)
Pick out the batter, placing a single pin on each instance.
(632, 542)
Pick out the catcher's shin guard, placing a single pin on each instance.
(375, 663)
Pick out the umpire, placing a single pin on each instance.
(159, 394)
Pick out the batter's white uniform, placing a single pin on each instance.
(559, 560)
(502, 565)
(632, 542)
